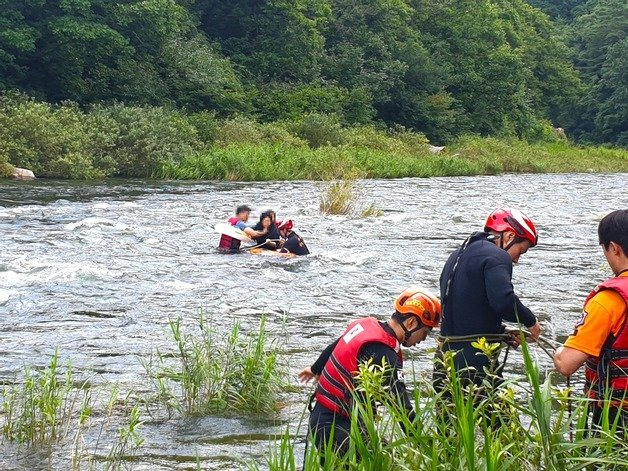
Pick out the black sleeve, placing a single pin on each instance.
(319, 364)
(378, 352)
(501, 294)
(294, 244)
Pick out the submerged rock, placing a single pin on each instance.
(22, 174)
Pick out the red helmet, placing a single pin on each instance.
(285, 224)
(421, 303)
(506, 219)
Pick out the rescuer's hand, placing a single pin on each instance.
(535, 331)
(306, 375)
(515, 340)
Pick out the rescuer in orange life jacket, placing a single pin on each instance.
(417, 311)
(600, 340)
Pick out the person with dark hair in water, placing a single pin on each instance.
(269, 240)
(600, 339)
(230, 244)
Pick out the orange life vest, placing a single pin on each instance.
(610, 369)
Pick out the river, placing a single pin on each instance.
(97, 269)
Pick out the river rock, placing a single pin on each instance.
(435, 149)
(22, 174)
(560, 133)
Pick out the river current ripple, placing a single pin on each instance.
(96, 270)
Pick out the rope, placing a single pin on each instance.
(259, 245)
(474, 337)
(545, 344)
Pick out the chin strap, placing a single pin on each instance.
(501, 242)
(406, 333)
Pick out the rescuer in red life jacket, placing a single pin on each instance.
(417, 311)
(230, 244)
(600, 340)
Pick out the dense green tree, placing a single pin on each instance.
(276, 40)
(442, 67)
(601, 54)
(17, 39)
(146, 52)
(559, 8)
(506, 70)
(372, 45)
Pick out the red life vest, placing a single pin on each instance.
(228, 242)
(612, 364)
(337, 379)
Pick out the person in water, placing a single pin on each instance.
(600, 339)
(366, 340)
(270, 240)
(291, 241)
(231, 244)
(477, 295)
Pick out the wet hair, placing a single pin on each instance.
(271, 213)
(614, 228)
(242, 209)
(264, 215)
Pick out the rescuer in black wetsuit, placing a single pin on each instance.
(477, 292)
(293, 242)
(416, 312)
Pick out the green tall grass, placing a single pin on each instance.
(523, 424)
(338, 198)
(210, 372)
(52, 409)
(469, 156)
(40, 409)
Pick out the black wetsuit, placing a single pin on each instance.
(273, 234)
(322, 419)
(295, 244)
(480, 297)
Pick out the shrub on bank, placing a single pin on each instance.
(65, 141)
(146, 137)
(6, 169)
(318, 130)
(52, 141)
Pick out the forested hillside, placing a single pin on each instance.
(445, 68)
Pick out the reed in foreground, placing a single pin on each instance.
(213, 372)
(524, 424)
(52, 409)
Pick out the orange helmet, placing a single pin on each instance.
(419, 302)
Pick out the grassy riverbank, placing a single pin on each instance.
(66, 141)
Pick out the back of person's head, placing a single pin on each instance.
(243, 209)
(285, 225)
(614, 228)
